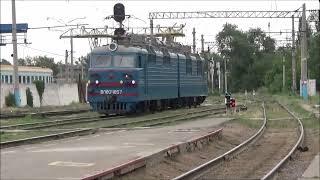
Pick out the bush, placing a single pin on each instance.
(40, 88)
(10, 100)
(29, 97)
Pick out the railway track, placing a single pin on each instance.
(42, 114)
(56, 123)
(260, 160)
(144, 122)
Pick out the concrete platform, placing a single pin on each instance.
(78, 157)
(313, 171)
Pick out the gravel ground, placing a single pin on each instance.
(259, 158)
(233, 134)
(294, 168)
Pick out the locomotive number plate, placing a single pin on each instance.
(105, 91)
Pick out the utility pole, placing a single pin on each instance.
(283, 73)
(225, 75)
(202, 44)
(212, 72)
(219, 76)
(293, 54)
(304, 71)
(66, 68)
(15, 55)
(194, 40)
(71, 56)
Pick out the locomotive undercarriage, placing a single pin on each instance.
(147, 106)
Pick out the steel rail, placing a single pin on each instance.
(23, 125)
(299, 142)
(198, 170)
(46, 124)
(88, 130)
(44, 113)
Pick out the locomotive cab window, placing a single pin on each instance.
(123, 61)
(101, 61)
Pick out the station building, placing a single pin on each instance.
(26, 74)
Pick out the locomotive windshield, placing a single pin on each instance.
(113, 61)
(123, 61)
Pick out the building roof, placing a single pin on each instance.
(26, 69)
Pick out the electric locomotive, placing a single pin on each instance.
(137, 73)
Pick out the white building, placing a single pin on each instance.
(26, 74)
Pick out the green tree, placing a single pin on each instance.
(44, 61)
(5, 62)
(40, 89)
(29, 97)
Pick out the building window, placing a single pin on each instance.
(23, 79)
(2, 79)
(28, 79)
(20, 79)
(6, 79)
(11, 80)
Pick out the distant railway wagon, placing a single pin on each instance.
(26, 74)
(127, 79)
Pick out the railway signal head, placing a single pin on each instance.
(119, 12)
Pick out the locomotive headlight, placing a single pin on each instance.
(121, 82)
(97, 82)
(133, 81)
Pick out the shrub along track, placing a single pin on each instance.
(256, 160)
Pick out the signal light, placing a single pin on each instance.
(118, 12)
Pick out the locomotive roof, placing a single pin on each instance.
(120, 48)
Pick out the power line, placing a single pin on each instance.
(51, 27)
(41, 50)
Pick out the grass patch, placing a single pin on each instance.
(294, 104)
(26, 119)
(255, 124)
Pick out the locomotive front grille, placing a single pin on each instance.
(103, 106)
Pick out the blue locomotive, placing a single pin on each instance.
(138, 73)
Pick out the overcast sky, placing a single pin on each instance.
(52, 13)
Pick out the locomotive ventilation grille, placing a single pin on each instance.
(111, 106)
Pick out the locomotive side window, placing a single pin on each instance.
(199, 68)
(139, 62)
(189, 66)
(123, 61)
(101, 61)
(166, 60)
(151, 58)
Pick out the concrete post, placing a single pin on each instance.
(293, 54)
(202, 44)
(66, 72)
(15, 55)
(71, 57)
(283, 73)
(194, 40)
(304, 86)
(225, 76)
